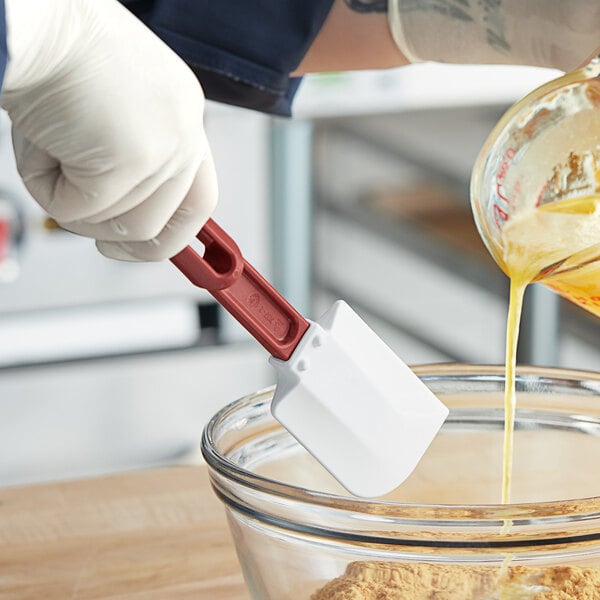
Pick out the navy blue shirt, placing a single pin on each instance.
(242, 51)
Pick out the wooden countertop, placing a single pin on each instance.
(154, 535)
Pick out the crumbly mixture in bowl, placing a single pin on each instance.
(423, 581)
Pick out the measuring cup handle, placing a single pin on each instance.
(242, 291)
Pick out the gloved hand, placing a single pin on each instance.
(563, 34)
(107, 127)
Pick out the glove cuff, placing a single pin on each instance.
(543, 33)
(449, 32)
(397, 27)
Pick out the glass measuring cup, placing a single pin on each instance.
(540, 170)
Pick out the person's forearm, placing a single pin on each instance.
(356, 35)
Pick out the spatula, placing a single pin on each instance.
(341, 392)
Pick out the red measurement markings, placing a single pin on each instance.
(500, 214)
(503, 171)
(541, 195)
(583, 301)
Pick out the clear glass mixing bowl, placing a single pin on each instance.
(443, 530)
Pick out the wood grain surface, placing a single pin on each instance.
(156, 534)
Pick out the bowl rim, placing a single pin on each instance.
(550, 512)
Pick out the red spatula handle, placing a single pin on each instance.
(242, 291)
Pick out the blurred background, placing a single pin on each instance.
(363, 195)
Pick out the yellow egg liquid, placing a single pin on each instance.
(557, 244)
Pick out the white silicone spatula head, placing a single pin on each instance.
(345, 396)
(354, 405)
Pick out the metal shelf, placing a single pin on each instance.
(432, 147)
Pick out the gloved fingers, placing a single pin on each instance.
(54, 191)
(57, 191)
(146, 220)
(182, 227)
(37, 168)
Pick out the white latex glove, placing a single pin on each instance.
(107, 127)
(562, 34)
